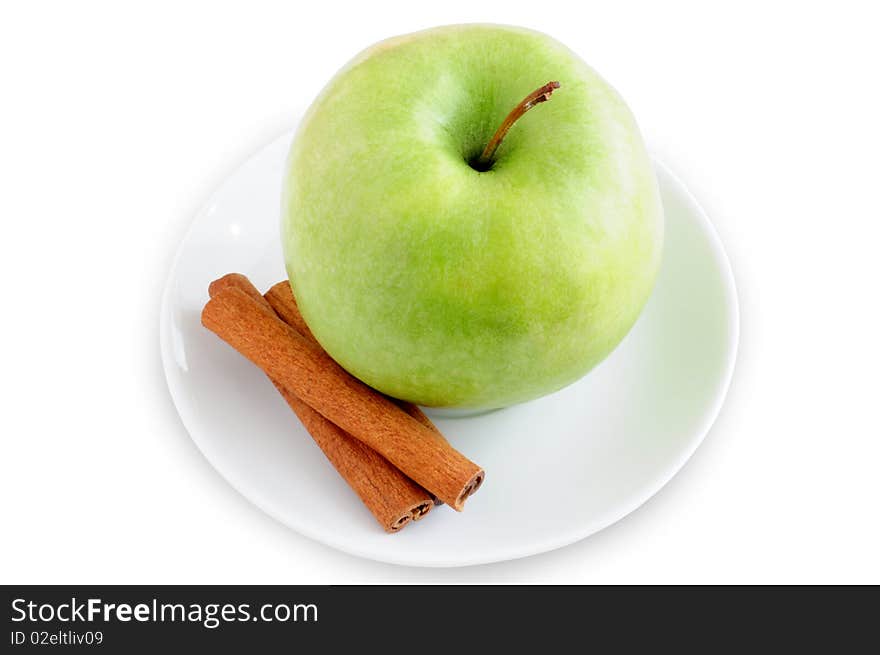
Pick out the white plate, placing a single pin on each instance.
(558, 469)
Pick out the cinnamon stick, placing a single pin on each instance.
(302, 368)
(280, 297)
(392, 498)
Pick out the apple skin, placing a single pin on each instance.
(449, 287)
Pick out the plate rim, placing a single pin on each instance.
(709, 415)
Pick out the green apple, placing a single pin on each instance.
(444, 271)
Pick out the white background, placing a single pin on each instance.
(118, 120)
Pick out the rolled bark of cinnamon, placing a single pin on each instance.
(392, 498)
(280, 297)
(303, 368)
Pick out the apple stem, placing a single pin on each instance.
(484, 161)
